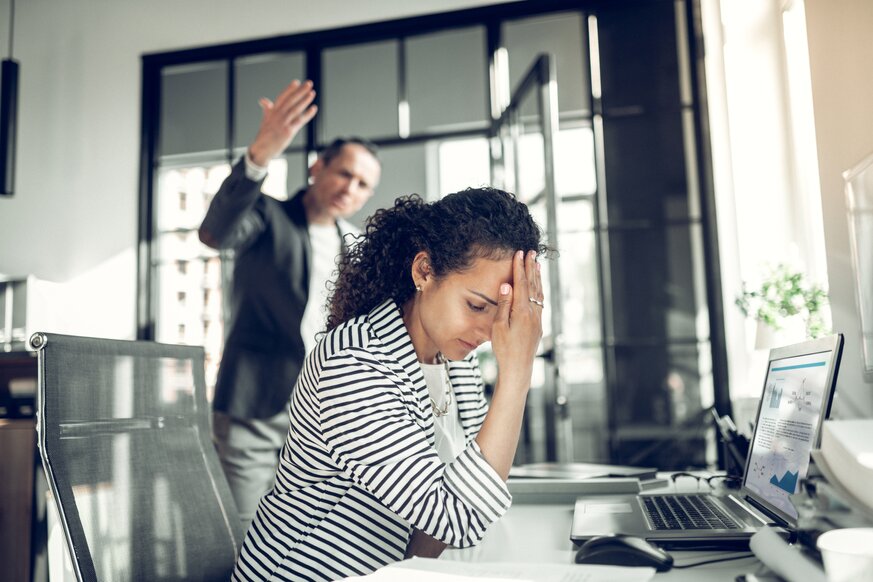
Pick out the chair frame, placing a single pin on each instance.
(59, 486)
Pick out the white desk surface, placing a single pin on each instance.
(541, 533)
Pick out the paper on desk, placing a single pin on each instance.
(429, 570)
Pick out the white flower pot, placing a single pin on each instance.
(793, 330)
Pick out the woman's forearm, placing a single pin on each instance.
(498, 437)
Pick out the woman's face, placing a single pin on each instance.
(454, 314)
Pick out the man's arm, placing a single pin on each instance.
(229, 221)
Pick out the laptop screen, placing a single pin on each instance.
(796, 398)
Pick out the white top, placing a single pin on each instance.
(326, 247)
(449, 438)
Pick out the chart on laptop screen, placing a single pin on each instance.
(792, 402)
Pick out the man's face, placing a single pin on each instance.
(341, 187)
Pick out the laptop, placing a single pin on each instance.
(796, 398)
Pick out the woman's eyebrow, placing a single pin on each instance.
(485, 297)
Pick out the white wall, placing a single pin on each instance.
(73, 218)
(841, 60)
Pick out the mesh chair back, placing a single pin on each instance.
(125, 442)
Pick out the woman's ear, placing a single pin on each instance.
(421, 269)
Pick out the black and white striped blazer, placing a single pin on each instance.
(359, 470)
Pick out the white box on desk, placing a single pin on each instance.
(847, 447)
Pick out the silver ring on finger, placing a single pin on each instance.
(537, 301)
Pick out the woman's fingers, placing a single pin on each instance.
(518, 324)
(504, 304)
(519, 282)
(534, 283)
(537, 280)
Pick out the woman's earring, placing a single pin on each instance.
(418, 288)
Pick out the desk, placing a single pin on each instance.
(18, 462)
(541, 533)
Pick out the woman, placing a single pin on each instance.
(392, 450)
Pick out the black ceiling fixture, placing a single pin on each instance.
(8, 113)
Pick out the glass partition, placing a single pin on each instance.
(446, 80)
(194, 108)
(360, 91)
(262, 76)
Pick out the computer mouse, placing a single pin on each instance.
(623, 550)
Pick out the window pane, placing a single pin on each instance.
(360, 91)
(295, 172)
(583, 373)
(638, 57)
(182, 245)
(531, 169)
(575, 216)
(560, 35)
(656, 286)
(184, 195)
(581, 289)
(645, 168)
(463, 163)
(193, 108)
(446, 76)
(584, 366)
(403, 172)
(188, 301)
(182, 302)
(575, 172)
(262, 76)
(660, 390)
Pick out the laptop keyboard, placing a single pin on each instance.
(686, 512)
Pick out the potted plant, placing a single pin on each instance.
(784, 298)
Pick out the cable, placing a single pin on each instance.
(728, 559)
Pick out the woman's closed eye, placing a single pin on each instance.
(476, 308)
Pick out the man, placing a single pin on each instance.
(285, 254)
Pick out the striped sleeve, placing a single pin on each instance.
(370, 431)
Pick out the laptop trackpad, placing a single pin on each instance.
(600, 507)
(604, 515)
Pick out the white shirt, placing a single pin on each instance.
(326, 247)
(449, 438)
(254, 172)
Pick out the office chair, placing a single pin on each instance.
(123, 430)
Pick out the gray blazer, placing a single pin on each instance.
(264, 349)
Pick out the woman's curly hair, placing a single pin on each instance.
(455, 230)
